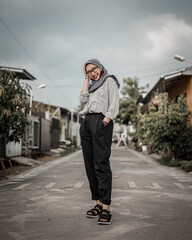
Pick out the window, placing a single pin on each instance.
(176, 98)
(36, 134)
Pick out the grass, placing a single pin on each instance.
(185, 165)
(69, 150)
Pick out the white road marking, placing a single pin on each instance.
(79, 185)
(156, 185)
(27, 174)
(115, 176)
(22, 186)
(50, 185)
(179, 185)
(132, 185)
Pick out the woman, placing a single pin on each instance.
(102, 106)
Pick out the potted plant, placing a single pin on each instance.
(144, 145)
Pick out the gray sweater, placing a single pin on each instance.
(103, 100)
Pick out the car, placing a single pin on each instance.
(64, 143)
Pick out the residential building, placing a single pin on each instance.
(175, 84)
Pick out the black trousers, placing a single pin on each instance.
(96, 145)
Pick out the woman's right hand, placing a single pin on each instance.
(85, 71)
(86, 83)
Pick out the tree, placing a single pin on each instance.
(80, 107)
(128, 108)
(14, 107)
(169, 128)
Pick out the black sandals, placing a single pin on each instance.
(94, 211)
(106, 216)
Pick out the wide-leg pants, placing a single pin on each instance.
(96, 142)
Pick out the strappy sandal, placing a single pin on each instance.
(106, 216)
(94, 211)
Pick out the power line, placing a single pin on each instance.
(151, 75)
(62, 86)
(157, 74)
(140, 77)
(29, 55)
(145, 69)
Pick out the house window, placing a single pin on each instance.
(176, 98)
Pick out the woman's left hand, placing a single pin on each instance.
(106, 119)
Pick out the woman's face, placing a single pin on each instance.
(93, 71)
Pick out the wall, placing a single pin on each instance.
(13, 149)
(45, 142)
(182, 87)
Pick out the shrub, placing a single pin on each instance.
(169, 128)
(186, 165)
(14, 107)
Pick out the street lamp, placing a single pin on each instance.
(41, 86)
(181, 59)
(38, 87)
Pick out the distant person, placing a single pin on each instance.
(102, 106)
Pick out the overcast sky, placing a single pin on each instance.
(53, 38)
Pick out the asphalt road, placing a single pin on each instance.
(149, 201)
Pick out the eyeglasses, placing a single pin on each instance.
(95, 69)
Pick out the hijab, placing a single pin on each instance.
(95, 84)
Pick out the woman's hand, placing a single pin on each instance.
(86, 83)
(85, 71)
(106, 119)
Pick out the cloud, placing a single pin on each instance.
(124, 35)
(169, 34)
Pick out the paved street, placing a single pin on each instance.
(49, 202)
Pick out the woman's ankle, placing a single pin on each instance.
(98, 202)
(107, 207)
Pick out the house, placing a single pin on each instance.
(20, 73)
(69, 122)
(49, 130)
(175, 84)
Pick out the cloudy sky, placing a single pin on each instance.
(53, 38)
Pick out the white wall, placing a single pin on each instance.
(13, 149)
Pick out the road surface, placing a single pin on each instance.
(49, 202)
